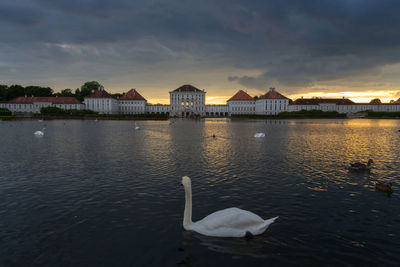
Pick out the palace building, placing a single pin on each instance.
(186, 101)
(189, 101)
(33, 104)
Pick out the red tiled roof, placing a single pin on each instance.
(241, 95)
(132, 95)
(99, 94)
(52, 99)
(272, 94)
(317, 101)
(187, 88)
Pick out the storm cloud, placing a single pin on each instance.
(254, 44)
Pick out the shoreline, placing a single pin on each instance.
(128, 118)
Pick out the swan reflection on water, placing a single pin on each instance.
(256, 247)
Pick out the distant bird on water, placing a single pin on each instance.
(259, 135)
(358, 166)
(39, 133)
(384, 187)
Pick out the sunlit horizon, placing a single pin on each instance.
(357, 97)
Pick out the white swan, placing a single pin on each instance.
(136, 127)
(259, 135)
(232, 222)
(40, 133)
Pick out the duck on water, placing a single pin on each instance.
(384, 187)
(358, 166)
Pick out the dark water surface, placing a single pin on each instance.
(103, 194)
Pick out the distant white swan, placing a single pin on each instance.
(232, 222)
(40, 133)
(136, 127)
(259, 135)
(40, 120)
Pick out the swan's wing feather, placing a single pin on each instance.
(231, 218)
(232, 222)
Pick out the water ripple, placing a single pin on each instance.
(104, 194)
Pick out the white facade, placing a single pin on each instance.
(241, 103)
(186, 101)
(217, 110)
(132, 106)
(242, 106)
(158, 109)
(102, 105)
(34, 104)
(271, 106)
(132, 103)
(271, 103)
(102, 102)
(347, 109)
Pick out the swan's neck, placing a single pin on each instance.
(187, 216)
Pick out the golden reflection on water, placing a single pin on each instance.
(216, 150)
(331, 145)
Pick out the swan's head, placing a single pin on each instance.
(186, 181)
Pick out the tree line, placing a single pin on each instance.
(8, 93)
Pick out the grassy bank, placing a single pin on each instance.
(382, 115)
(102, 117)
(84, 114)
(7, 118)
(302, 114)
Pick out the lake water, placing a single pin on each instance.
(102, 194)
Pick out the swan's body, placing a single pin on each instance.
(39, 133)
(136, 127)
(40, 120)
(232, 222)
(259, 135)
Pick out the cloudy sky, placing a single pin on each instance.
(305, 48)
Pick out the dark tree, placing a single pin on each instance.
(3, 92)
(116, 95)
(66, 92)
(375, 101)
(78, 94)
(14, 91)
(87, 88)
(38, 91)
